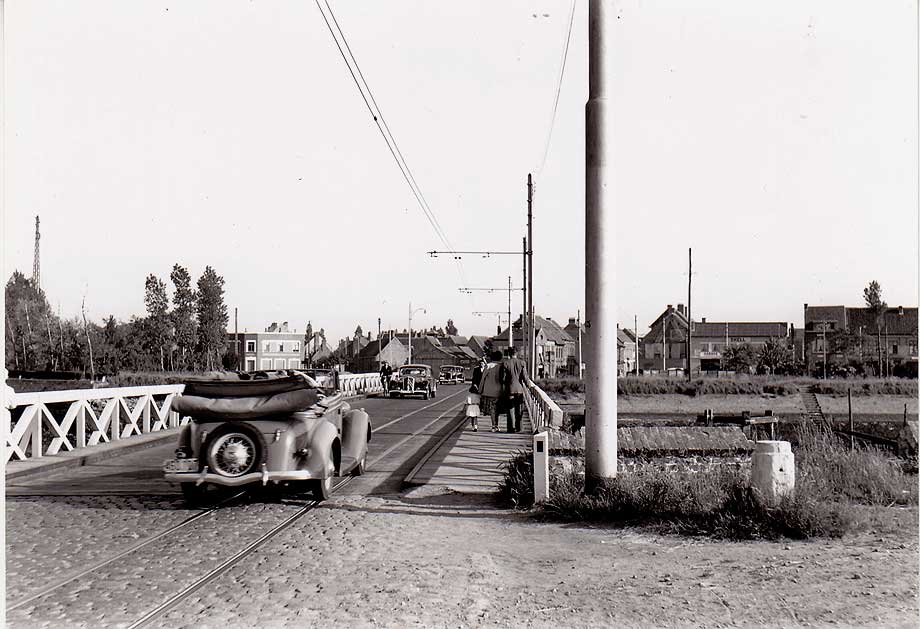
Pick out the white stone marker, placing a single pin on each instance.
(773, 469)
(541, 467)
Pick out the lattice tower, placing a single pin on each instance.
(36, 262)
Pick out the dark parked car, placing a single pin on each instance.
(413, 380)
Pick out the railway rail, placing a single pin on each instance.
(145, 550)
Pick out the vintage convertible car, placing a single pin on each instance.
(450, 374)
(279, 430)
(413, 380)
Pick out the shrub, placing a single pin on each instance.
(719, 504)
(149, 378)
(516, 488)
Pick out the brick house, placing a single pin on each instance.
(277, 347)
(860, 336)
(710, 338)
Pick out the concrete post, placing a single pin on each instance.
(773, 469)
(541, 467)
(600, 255)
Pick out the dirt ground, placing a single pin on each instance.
(431, 558)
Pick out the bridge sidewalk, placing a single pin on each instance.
(471, 462)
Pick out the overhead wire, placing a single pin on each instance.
(385, 132)
(565, 55)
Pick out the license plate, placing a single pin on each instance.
(181, 465)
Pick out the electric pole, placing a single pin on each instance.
(600, 255)
(689, 320)
(636, 335)
(531, 338)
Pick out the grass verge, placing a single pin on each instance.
(831, 481)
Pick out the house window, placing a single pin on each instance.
(279, 363)
(913, 348)
(894, 349)
(266, 363)
(267, 347)
(293, 363)
(295, 346)
(251, 362)
(281, 347)
(251, 347)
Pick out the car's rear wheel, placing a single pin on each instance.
(321, 488)
(361, 467)
(234, 450)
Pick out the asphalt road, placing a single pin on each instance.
(404, 429)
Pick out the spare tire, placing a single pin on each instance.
(234, 449)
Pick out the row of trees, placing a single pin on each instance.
(186, 331)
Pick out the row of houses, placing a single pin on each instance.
(831, 336)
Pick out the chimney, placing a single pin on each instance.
(704, 320)
(900, 310)
(680, 309)
(571, 320)
(670, 307)
(499, 328)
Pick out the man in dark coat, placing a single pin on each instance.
(514, 374)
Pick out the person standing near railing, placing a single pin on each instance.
(490, 388)
(514, 375)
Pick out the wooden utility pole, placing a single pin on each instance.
(581, 373)
(525, 317)
(531, 339)
(689, 320)
(850, 416)
(236, 338)
(636, 335)
(600, 255)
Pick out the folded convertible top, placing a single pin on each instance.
(228, 397)
(231, 385)
(229, 409)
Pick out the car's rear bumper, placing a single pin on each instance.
(263, 477)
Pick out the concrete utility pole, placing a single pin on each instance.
(412, 312)
(581, 371)
(600, 255)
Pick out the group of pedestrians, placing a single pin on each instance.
(498, 388)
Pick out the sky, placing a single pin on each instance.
(777, 140)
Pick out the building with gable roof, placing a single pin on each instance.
(886, 339)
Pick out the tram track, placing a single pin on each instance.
(127, 559)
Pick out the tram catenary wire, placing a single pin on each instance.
(388, 137)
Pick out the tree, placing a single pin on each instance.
(739, 358)
(183, 315)
(28, 318)
(451, 328)
(212, 318)
(159, 326)
(774, 356)
(873, 296)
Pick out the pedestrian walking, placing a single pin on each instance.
(513, 378)
(473, 400)
(490, 388)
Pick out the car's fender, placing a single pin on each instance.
(356, 432)
(321, 443)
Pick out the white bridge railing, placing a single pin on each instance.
(92, 416)
(51, 422)
(541, 408)
(356, 383)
